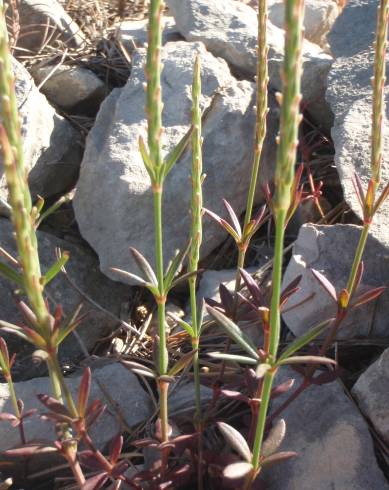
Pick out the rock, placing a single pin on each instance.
(229, 30)
(372, 394)
(335, 449)
(319, 17)
(51, 144)
(83, 270)
(133, 33)
(350, 96)
(127, 403)
(330, 250)
(113, 165)
(71, 86)
(44, 21)
(182, 399)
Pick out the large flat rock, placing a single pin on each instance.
(229, 29)
(330, 250)
(334, 446)
(372, 394)
(350, 97)
(113, 202)
(51, 145)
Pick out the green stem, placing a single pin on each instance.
(284, 175)
(262, 109)
(358, 258)
(260, 430)
(163, 401)
(275, 315)
(161, 300)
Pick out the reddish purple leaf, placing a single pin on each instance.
(95, 482)
(282, 388)
(278, 458)
(30, 449)
(233, 216)
(359, 190)
(254, 289)
(290, 289)
(326, 284)
(83, 391)
(115, 448)
(88, 459)
(368, 296)
(53, 405)
(4, 351)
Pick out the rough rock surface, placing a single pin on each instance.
(70, 86)
(350, 96)
(121, 213)
(330, 250)
(132, 403)
(319, 17)
(44, 21)
(372, 394)
(334, 446)
(133, 33)
(182, 399)
(83, 270)
(229, 30)
(51, 146)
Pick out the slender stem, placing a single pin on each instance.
(161, 300)
(260, 430)
(275, 314)
(378, 89)
(262, 109)
(163, 401)
(284, 175)
(358, 258)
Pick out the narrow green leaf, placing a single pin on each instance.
(9, 273)
(62, 200)
(175, 267)
(185, 277)
(55, 268)
(144, 266)
(70, 324)
(304, 340)
(234, 332)
(188, 328)
(177, 152)
(233, 358)
(132, 277)
(146, 159)
(181, 364)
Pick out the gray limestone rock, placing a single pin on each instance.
(372, 394)
(350, 97)
(334, 446)
(133, 33)
(51, 145)
(229, 30)
(120, 214)
(319, 16)
(330, 250)
(69, 86)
